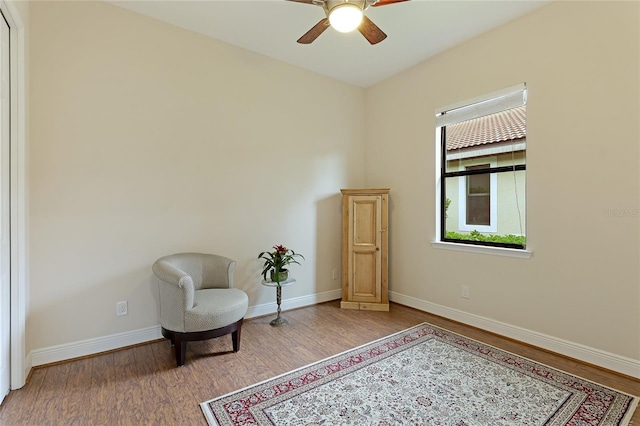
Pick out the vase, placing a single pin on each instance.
(279, 276)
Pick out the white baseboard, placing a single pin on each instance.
(296, 302)
(584, 353)
(116, 341)
(621, 364)
(93, 346)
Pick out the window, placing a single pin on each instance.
(478, 198)
(482, 165)
(477, 202)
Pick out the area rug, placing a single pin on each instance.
(424, 375)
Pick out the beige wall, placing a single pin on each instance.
(580, 61)
(147, 139)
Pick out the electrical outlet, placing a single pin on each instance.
(335, 274)
(121, 308)
(464, 292)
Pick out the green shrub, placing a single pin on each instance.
(477, 236)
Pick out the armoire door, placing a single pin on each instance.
(364, 249)
(365, 280)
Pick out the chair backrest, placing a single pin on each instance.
(206, 270)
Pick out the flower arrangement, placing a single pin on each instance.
(277, 260)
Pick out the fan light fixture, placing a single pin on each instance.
(345, 17)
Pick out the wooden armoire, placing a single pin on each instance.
(365, 280)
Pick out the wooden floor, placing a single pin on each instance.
(141, 385)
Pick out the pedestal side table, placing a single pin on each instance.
(289, 281)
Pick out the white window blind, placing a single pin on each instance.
(498, 101)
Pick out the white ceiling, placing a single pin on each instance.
(416, 29)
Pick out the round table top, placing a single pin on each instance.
(270, 283)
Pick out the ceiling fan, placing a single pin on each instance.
(345, 16)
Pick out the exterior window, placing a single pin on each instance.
(482, 170)
(478, 193)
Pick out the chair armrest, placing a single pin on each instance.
(170, 274)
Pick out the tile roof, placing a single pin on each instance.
(502, 126)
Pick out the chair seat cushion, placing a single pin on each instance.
(215, 308)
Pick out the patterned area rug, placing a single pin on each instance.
(423, 376)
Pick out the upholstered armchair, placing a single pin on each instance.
(197, 299)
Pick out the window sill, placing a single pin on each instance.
(496, 251)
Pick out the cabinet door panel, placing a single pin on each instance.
(364, 277)
(365, 215)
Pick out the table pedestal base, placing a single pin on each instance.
(278, 322)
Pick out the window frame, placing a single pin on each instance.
(442, 241)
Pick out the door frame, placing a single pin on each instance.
(19, 364)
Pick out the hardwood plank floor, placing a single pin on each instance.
(141, 385)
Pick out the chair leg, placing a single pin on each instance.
(180, 349)
(235, 337)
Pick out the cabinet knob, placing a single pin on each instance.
(377, 248)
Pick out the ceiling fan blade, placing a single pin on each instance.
(381, 2)
(314, 32)
(303, 1)
(370, 31)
